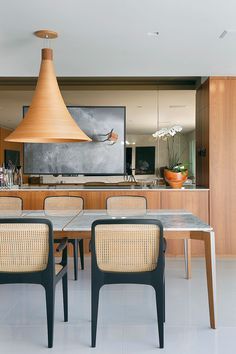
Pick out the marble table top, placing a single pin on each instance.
(59, 219)
(172, 220)
(64, 220)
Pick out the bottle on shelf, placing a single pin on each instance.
(1, 177)
(19, 176)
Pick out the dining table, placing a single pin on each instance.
(177, 224)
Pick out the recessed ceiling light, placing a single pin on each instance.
(139, 106)
(153, 34)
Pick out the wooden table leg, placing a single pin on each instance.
(187, 258)
(209, 242)
(211, 275)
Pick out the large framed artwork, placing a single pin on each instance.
(145, 160)
(105, 155)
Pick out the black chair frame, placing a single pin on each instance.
(47, 278)
(77, 244)
(155, 278)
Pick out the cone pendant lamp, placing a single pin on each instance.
(47, 120)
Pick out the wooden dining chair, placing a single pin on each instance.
(68, 204)
(136, 205)
(128, 251)
(26, 256)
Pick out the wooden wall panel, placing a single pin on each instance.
(193, 201)
(7, 145)
(223, 162)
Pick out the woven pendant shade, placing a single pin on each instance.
(47, 120)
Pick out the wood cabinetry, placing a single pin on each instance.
(218, 95)
(34, 199)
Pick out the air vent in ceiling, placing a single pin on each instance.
(227, 33)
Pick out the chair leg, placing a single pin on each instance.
(187, 258)
(164, 300)
(160, 314)
(75, 252)
(95, 300)
(81, 252)
(65, 296)
(50, 304)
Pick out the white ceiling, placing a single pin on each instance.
(109, 37)
(146, 110)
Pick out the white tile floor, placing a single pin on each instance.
(127, 316)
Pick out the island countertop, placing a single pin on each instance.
(65, 187)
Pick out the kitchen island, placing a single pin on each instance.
(191, 198)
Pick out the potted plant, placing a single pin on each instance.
(176, 172)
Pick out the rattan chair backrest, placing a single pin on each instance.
(127, 247)
(10, 203)
(24, 247)
(136, 205)
(66, 204)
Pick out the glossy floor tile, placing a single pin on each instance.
(127, 315)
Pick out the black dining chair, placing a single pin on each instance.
(26, 256)
(128, 251)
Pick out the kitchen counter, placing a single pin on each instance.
(103, 188)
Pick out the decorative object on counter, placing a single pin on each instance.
(175, 179)
(6, 177)
(9, 178)
(34, 180)
(176, 173)
(19, 176)
(47, 120)
(2, 183)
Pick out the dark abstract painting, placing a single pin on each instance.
(105, 155)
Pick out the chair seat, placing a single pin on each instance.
(58, 268)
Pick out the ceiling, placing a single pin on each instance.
(146, 110)
(110, 38)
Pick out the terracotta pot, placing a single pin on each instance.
(175, 179)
